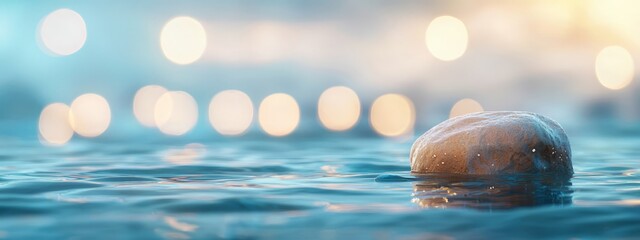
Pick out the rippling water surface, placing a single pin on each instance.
(321, 188)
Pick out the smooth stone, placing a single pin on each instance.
(491, 143)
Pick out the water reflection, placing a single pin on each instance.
(506, 192)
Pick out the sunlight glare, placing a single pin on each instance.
(63, 32)
(185, 156)
(231, 112)
(392, 115)
(465, 106)
(338, 108)
(278, 114)
(54, 124)
(176, 113)
(90, 115)
(183, 40)
(144, 104)
(614, 67)
(446, 38)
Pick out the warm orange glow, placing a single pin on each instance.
(144, 104)
(465, 106)
(339, 108)
(446, 38)
(231, 112)
(183, 40)
(176, 112)
(614, 67)
(392, 115)
(90, 115)
(279, 114)
(54, 124)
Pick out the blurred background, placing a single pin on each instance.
(106, 71)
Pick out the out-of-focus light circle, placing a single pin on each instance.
(465, 106)
(392, 115)
(144, 104)
(446, 38)
(176, 112)
(338, 108)
(279, 114)
(614, 67)
(231, 112)
(63, 32)
(90, 115)
(54, 124)
(183, 40)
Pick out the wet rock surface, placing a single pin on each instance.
(490, 143)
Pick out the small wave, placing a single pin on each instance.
(318, 191)
(188, 170)
(42, 187)
(125, 179)
(121, 192)
(234, 205)
(370, 167)
(394, 178)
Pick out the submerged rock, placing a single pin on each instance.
(489, 143)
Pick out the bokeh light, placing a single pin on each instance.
(63, 32)
(338, 108)
(446, 38)
(183, 40)
(392, 115)
(231, 112)
(54, 125)
(90, 115)
(465, 106)
(614, 67)
(176, 112)
(144, 104)
(279, 114)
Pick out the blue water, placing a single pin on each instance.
(351, 188)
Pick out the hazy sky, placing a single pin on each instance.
(525, 55)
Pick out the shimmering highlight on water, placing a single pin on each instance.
(287, 188)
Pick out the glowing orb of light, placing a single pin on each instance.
(63, 32)
(183, 40)
(231, 112)
(339, 108)
(614, 67)
(54, 125)
(278, 114)
(90, 115)
(175, 113)
(446, 38)
(465, 106)
(144, 104)
(392, 115)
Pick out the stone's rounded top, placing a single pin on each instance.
(488, 143)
